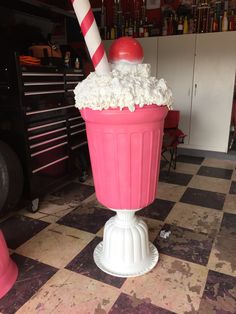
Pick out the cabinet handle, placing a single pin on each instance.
(75, 74)
(195, 89)
(79, 145)
(48, 149)
(42, 83)
(29, 113)
(76, 125)
(45, 125)
(48, 141)
(77, 132)
(59, 91)
(50, 164)
(45, 134)
(41, 74)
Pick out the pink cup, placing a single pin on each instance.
(8, 269)
(125, 151)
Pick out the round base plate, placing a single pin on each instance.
(97, 256)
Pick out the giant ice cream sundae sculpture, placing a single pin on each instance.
(124, 111)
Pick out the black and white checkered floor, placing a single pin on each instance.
(53, 249)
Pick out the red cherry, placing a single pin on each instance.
(126, 49)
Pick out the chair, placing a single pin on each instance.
(173, 136)
(233, 123)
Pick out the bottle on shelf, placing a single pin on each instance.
(180, 27)
(77, 64)
(215, 25)
(232, 21)
(170, 26)
(113, 32)
(135, 31)
(225, 22)
(141, 29)
(185, 26)
(126, 27)
(146, 28)
(131, 28)
(164, 27)
(103, 21)
(220, 23)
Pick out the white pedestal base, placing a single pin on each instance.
(125, 250)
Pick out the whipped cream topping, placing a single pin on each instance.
(125, 86)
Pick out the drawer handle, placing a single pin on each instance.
(72, 82)
(50, 164)
(41, 74)
(76, 125)
(77, 132)
(45, 134)
(48, 149)
(75, 74)
(79, 145)
(45, 125)
(47, 110)
(45, 92)
(75, 118)
(42, 83)
(48, 141)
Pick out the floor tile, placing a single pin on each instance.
(154, 227)
(210, 184)
(223, 255)
(170, 192)
(203, 198)
(56, 245)
(127, 304)
(219, 295)
(84, 264)
(159, 209)
(54, 205)
(173, 284)
(190, 159)
(18, 229)
(87, 217)
(185, 244)
(230, 204)
(32, 275)
(175, 177)
(197, 218)
(215, 172)
(219, 163)
(228, 225)
(74, 191)
(232, 188)
(187, 168)
(68, 292)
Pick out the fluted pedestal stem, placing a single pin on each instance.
(125, 250)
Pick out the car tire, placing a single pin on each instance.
(11, 178)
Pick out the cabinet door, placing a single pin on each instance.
(175, 65)
(214, 75)
(150, 52)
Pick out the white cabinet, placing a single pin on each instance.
(213, 86)
(175, 65)
(150, 52)
(200, 70)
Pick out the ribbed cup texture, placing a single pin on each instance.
(8, 269)
(125, 242)
(125, 150)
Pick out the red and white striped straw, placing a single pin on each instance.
(92, 36)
